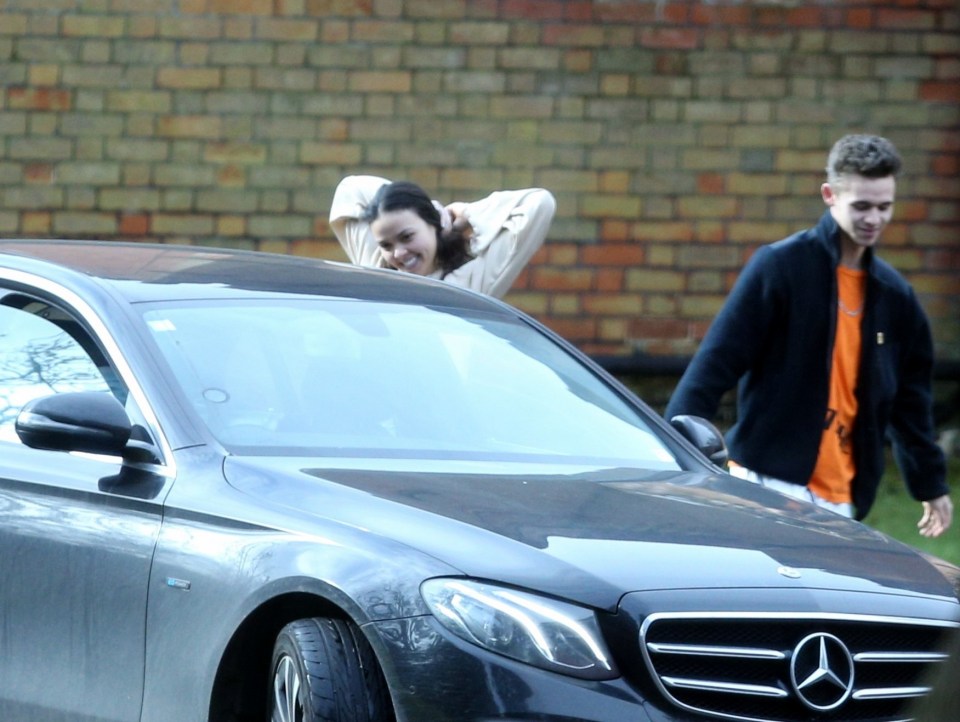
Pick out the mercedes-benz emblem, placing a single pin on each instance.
(821, 671)
(788, 572)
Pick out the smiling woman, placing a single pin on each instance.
(482, 245)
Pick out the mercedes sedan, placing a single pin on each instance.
(238, 487)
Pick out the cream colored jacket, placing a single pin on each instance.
(509, 227)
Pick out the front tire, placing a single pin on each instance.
(324, 670)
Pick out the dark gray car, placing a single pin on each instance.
(237, 486)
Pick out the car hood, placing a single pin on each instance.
(594, 534)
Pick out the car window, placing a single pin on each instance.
(361, 378)
(41, 354)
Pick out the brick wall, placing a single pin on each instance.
(677, 136)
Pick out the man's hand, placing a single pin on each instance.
(937, 516)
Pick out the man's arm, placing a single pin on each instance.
(732, 342)
(920, 459)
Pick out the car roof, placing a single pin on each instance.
(152, 272)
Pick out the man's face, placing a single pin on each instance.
(862, 207)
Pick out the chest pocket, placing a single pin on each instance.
(884, 353)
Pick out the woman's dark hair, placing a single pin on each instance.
(453, 244)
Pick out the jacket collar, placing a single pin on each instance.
(827, 234)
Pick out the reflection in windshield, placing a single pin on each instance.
(354, 378)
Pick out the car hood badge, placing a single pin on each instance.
(821, 671)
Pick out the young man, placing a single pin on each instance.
(832, 353)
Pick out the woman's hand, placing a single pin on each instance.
(458, 216)
(446, 219)
(456, 209)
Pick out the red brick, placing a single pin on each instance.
(580, 11)
(38, 173)
(896, 234)
(897, 19)
(560, 279)
(679, 38)
(46, 99)
(940, 91)
(945, 165)
(321, 226)
(944, 259)
(711, 183)
(615, 181)
(610, 254)
(482, 9)
(538, 258)
(309, 247)
(577, 330)
(860, 19)
(672, 328)
(912, 210)
(711, 232)
(721, 16)
(577, 60)
(609, 280)
(523, 280)
(614, 231)
(134, 224)
(339, 8)
(806, 17)
(532, 9)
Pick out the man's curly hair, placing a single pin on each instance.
(867, 155)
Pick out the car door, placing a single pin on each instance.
(77, 534)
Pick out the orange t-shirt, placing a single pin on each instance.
(833, 475)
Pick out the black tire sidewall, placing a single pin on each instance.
(288, 645)
(340, 680)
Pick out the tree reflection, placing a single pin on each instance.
(38, 359)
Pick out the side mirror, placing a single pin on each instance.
(89, 421)
(704, 435)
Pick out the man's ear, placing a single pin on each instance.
(826, 192)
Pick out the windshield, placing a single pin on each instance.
(342, 377)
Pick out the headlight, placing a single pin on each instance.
(544, 632)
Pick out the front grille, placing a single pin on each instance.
(793, 667)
